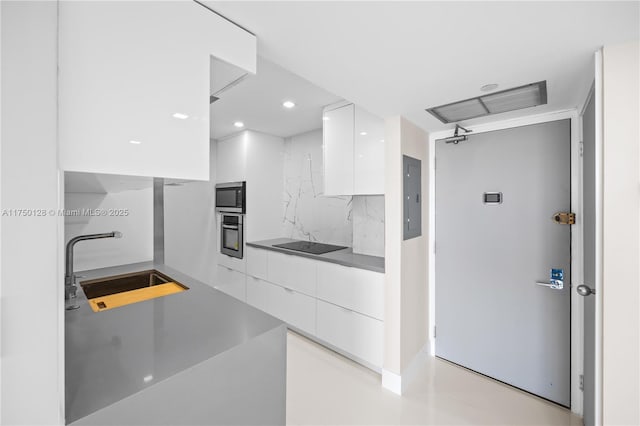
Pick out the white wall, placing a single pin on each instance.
(621, 235)
(406, 304)
(32, 287)
(125, 69)
(136, 244)
(190, 226)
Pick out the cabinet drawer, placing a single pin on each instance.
(352, 332)
(294, 308)
(357, 289)
(231, 282)
(232, 262)
(256, 262)
(293, 272)
(258, 293)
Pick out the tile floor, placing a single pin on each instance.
(324, 388)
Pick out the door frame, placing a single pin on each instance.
(577, 325)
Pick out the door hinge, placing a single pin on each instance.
(434, 331)
(581, 149)
(582, 382)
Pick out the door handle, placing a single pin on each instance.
(554, 284)
(585, 290)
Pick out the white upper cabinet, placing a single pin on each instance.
(353, 143)
(368, 154)
(337, 135)
(134, 85)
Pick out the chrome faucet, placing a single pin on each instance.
(70, 288)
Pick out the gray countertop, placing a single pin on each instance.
(116, 353)
(344, 257)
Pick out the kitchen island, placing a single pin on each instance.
(195, 357)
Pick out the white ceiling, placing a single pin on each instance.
(398, 58)
(257, 102)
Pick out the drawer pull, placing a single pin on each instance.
(345, 309)
(288, 290)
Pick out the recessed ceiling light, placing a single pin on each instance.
(180, 116)
(135, 142)
(489, 87)
(238, 124)
(363, 133)
(288, 104)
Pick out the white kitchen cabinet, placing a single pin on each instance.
(334, 304)
(296, 309)
(353, 151)
(256, 262)
(231, 282)
(357, 334)
(294, 272)
(257, 159)
(125, 69)
(337, 135)
(231, 159)
(258, 293)
(232, 262)
(357, 289)
(368, 154)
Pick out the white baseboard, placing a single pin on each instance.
(392, 381)
(399, 383)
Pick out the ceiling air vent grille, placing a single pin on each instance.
(530, 95)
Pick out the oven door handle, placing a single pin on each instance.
(230, 227)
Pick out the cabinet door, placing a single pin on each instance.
(258, 293)
(231, 262)
(337, 135)
(368, 162)
(231, 282)
(231, 159)
(352, 332)
(356, 289)
(256, 262)
(294, 272)
(294, 308)
(125, 70)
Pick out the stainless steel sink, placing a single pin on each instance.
(120, 283)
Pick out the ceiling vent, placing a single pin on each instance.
(530, 95)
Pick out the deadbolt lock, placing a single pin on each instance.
(564, 218)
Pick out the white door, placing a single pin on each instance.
(497, 246)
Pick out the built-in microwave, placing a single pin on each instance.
(231, 197)
(232, 234)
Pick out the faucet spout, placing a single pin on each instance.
(68, 275)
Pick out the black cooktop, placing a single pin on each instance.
(310, 247)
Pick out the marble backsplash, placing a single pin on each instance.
(368, 224)
(308, 215)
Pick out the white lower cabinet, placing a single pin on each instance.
(338, 305)
(356, 289)
(258, 293)
(357, 334)
(256, 262)
(231, 282)
(295, 272)
(232, 262)
(297, 309)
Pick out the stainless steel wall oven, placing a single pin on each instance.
(232, 234)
